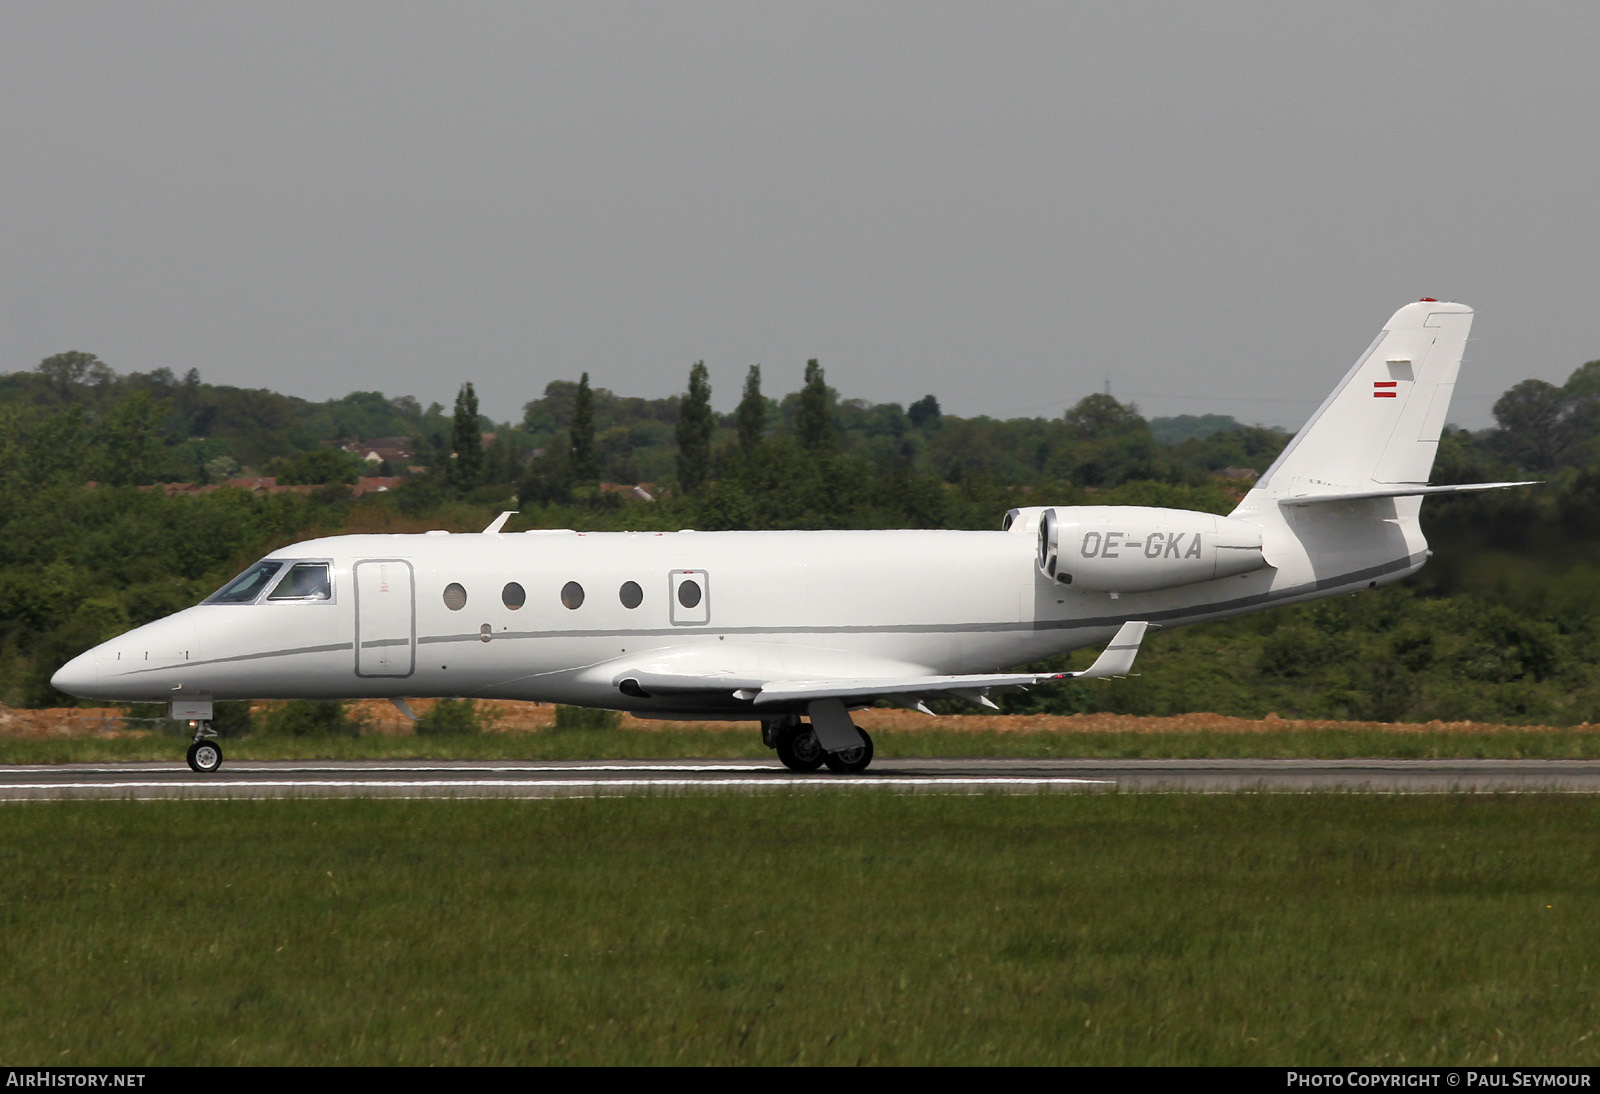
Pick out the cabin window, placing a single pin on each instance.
(455, 597)
(572, 595)
(247, 586)
(632, 595)
(513, 596)
(689, 593)
(304, 581)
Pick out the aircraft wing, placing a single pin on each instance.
(1115, 660)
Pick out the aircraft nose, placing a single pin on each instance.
(78, 676)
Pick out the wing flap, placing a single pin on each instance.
(784, 691)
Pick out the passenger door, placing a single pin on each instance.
(386, 618)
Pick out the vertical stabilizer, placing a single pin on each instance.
(1381, 425)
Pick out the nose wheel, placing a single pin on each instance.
(205, 755)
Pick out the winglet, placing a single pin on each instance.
(1117, 658)
(499, 522)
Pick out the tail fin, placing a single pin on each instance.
(1380, 427)
(1339, 507)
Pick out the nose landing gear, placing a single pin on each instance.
(205, 755)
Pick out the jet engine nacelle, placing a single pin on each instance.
(1136, 548)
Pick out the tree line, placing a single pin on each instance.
(1499, 626)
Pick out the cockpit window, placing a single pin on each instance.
(247, 586)
(304, 581)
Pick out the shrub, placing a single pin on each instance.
(304, 718)
(231, 719)
(451, 717)
(587, 718)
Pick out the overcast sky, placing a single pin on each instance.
(1217, 205)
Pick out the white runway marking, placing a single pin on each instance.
(262, 779)
(800, 780)
(253, 788)
(234, 767)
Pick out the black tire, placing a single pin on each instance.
(800, 750)
(852, 761)
(205, 756)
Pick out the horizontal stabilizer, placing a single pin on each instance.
(1400, 492)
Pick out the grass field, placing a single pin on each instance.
(1232, 929)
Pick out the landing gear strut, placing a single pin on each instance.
(205, 755)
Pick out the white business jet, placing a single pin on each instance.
(796, 629)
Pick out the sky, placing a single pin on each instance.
(1213, 207)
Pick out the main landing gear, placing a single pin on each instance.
(800, 750)
(852, 761)
(205, 755)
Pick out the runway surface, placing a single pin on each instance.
(246, 779)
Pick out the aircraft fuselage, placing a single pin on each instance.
(558, 616)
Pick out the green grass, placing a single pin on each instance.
(743, 741)
(1355, 742)
(838, 929)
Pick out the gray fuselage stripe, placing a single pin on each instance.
(333, 648)
(1197, 610)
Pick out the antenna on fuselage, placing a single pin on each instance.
(499, 522)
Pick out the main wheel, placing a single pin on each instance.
(800, 750)
(852, 761)
(205, 756)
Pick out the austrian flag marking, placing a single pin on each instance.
(1384, 389)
